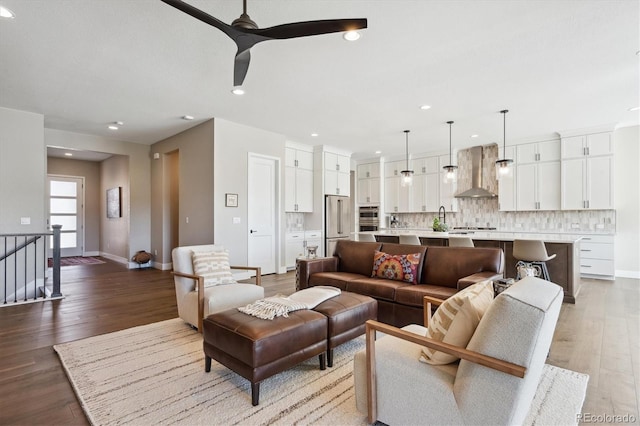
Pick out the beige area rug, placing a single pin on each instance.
(154, 374)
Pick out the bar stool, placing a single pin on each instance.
(532, 253)
(366, 237)
(461, 242)
(412, 240)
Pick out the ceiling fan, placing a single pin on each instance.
(245, 32)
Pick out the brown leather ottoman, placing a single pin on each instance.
(257, 349)
(346, 314)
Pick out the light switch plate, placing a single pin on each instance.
(236, 220)
(25, 221)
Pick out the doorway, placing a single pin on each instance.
(262, 214)
(66, 208)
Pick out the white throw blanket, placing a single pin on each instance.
(276, 306)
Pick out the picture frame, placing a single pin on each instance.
(114, 204)
(231, 200)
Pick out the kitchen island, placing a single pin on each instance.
(564, 269)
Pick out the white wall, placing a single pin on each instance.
(22, 171)
(233, 143)
(627, 201)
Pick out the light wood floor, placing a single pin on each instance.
(599, 335)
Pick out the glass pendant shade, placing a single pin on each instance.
(450, 175)
(503, 166)
(406, 176)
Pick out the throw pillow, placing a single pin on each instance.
(456, 319)
(213, 266)
(399, 267)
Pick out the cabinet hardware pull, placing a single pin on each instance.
(585, 266)
(586, 238)
(584, 250)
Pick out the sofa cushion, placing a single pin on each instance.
(213, 266)
(376, 287)
(392, 248)
(397, 267)
(444, 266)
(356, 256)
(456, 320)
(413, 295)
(333, 279)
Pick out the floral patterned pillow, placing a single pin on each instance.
(399, 267)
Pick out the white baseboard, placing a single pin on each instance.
(91, 253)
(628, 274)
(117, 259)
(163, 266)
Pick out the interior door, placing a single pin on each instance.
(66, 208)
(262, 213)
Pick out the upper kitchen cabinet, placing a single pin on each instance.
(298, 179)
(425, 190)
(507, 183)
(587, 172)
(538, 176)
(538, 152)
(587, 145)
(396, 196)
(337, 173)
(368, 183)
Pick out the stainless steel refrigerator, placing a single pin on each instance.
(337, 221)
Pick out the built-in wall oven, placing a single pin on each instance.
(369, 218)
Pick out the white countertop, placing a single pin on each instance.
(485, 235)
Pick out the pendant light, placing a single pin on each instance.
(450, 170)
(406, 175)
(503, 168)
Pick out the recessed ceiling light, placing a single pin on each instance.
(238, 91)
(113, 127)
(68, 154)
(634, 108)
(351, 35)
(425, 107)
(6, 13)
(187, 117)
(474, 136)
(315, 135)
(378, 152)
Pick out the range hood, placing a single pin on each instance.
(476, 190)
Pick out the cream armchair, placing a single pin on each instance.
(495, 381)
(195, 301)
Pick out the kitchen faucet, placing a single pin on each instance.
(442, 217)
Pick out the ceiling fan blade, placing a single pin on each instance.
(310, 28)
(241, 66)
(202, 16)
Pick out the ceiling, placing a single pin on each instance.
(556, 65)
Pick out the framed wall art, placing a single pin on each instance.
(114, 202)
(231, 200)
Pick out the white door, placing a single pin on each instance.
(66, 208)
(262, 204)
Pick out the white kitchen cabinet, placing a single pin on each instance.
(447, 189)
(587, 172)
(298, 180)
(336, 174)
(537, 152)
(507, 184)
(587, 183)
(396, 196)
(294, 248)
(596, 256)
(393, 168)
(425, 165)
(537, 186)
(587, 145)
(425, 192)
(368, 183)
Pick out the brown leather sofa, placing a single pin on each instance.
(442, 272)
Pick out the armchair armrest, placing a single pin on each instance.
(477, 277)
(200, 284)
(428, 302)
(258, 270)
(476, 357)
(307, 267)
